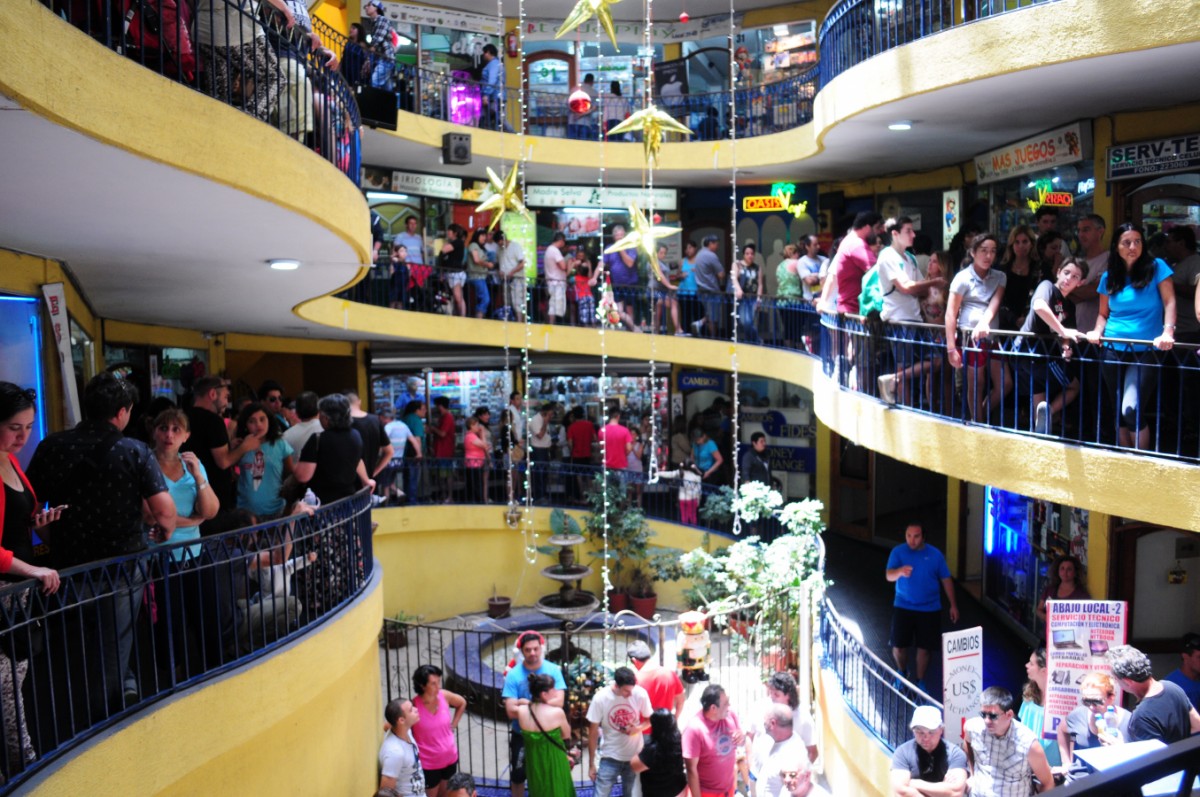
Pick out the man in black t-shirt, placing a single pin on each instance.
(377, 449)
(1163, 711)
(210, 442)
(1045, 365)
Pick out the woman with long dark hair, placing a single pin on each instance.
(660, 763)
(1137, 303)
(452, 267)
(1065, 583)
(1033, 701)
(262, 471)
(546, 732)
(19, 517)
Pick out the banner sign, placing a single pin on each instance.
(962, 663)
(1078, 637)
(56, 303)
(1035, 154)
(430, 185)
(702, 380)
(633, 32)
(1164, 156)
(565, 196)
(407, 14)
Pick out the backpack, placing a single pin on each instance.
(871, 298)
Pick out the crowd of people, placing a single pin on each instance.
(123, 484)
(640, 730)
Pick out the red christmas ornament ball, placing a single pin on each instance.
(580, 101)
(683, 17)
(657, 219)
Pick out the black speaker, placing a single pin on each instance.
(377, 107)
(456, 149)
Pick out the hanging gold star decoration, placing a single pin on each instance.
(642, 238)
(505, 198)
(585, 10)
(652, 123)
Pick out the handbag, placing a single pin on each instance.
(517, 453)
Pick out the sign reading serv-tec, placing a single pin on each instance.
(1162, 156)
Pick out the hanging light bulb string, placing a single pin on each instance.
(733, 171)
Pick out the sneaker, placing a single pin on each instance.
(697, 326)
(887, 388)
(1041, 418)
(682, 334)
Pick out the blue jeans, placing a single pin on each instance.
(483, 299)
(608, 772)
(381, 75)
(746, 309)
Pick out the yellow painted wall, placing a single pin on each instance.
(306, 721)
(855, 762)
(445, 560)
(1099, 538)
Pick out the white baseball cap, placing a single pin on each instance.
(926, 717)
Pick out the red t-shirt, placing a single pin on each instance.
(616, 437)
(661, 684)
(443, 446)
(856, 262)
(711, 744)
(581, 433)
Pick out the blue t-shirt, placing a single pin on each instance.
(516, 683)
(416, 425)
(621, 274)
(1136, 313)
(1190, 688)
(919, 592)
(184, 493)
(687, 286)
(703, 454)
(260, 477)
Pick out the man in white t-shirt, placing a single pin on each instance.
(540, 443)
(512, 271)
(555, 266)
(616, 719)
(903, 286)
(399, 758)
(773, 750)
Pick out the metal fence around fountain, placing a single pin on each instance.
(474, 651)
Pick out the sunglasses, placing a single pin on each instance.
(1092, 701)
(991, 715)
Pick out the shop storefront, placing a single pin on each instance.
(1157, 183)
(784, 413)
(21, 341)
(1022, 537)
(772, 216)
(162, 371)
(1052, 169)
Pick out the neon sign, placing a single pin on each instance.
(1049, 198)
(779, 201)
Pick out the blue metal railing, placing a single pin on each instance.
(257, 63)
(876, 693)
(125, 633)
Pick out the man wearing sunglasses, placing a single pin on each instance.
(1003, 754)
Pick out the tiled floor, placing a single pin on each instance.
(863, 595)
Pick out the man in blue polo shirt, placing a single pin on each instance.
(515, 693)
(916, 569)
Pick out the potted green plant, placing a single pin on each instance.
(395, 630)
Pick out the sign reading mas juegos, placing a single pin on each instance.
(1037, 153)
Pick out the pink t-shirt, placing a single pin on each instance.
(857, 260)
(434, 736)
(616, 437)
(712, 745)
(475, 452)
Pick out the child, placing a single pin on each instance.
(689, 490)
(585, 280)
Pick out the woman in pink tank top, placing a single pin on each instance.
(434, 734)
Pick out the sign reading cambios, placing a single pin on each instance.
(962, 663)
(565, 196)
(1163, 156)
(1053, 148)
(702, 380)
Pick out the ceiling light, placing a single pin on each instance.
(901, 125)
(284, 265)
(385, 196)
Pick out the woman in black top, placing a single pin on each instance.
(660, 762)
(453, 268)
(1021, 266)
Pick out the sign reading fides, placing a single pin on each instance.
(962, 664)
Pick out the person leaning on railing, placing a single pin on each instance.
(381, 44)
(239, 66)
(1137, 301)
(1048, 370)
(974, 301)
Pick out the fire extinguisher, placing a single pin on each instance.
(512, 43)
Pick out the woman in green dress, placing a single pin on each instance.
(547, 734)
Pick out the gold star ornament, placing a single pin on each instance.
(643, 238)
(652, 123)
(505, 198)
(585, 10)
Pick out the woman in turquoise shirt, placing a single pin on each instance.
(689, 308)
(261, 472)
(1137, 302)
(707, 457)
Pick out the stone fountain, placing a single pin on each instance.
(570, 602)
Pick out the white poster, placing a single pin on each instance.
(962, 665)
(1078, 637)
(56, 303)
(591, 196)
(951, 203)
